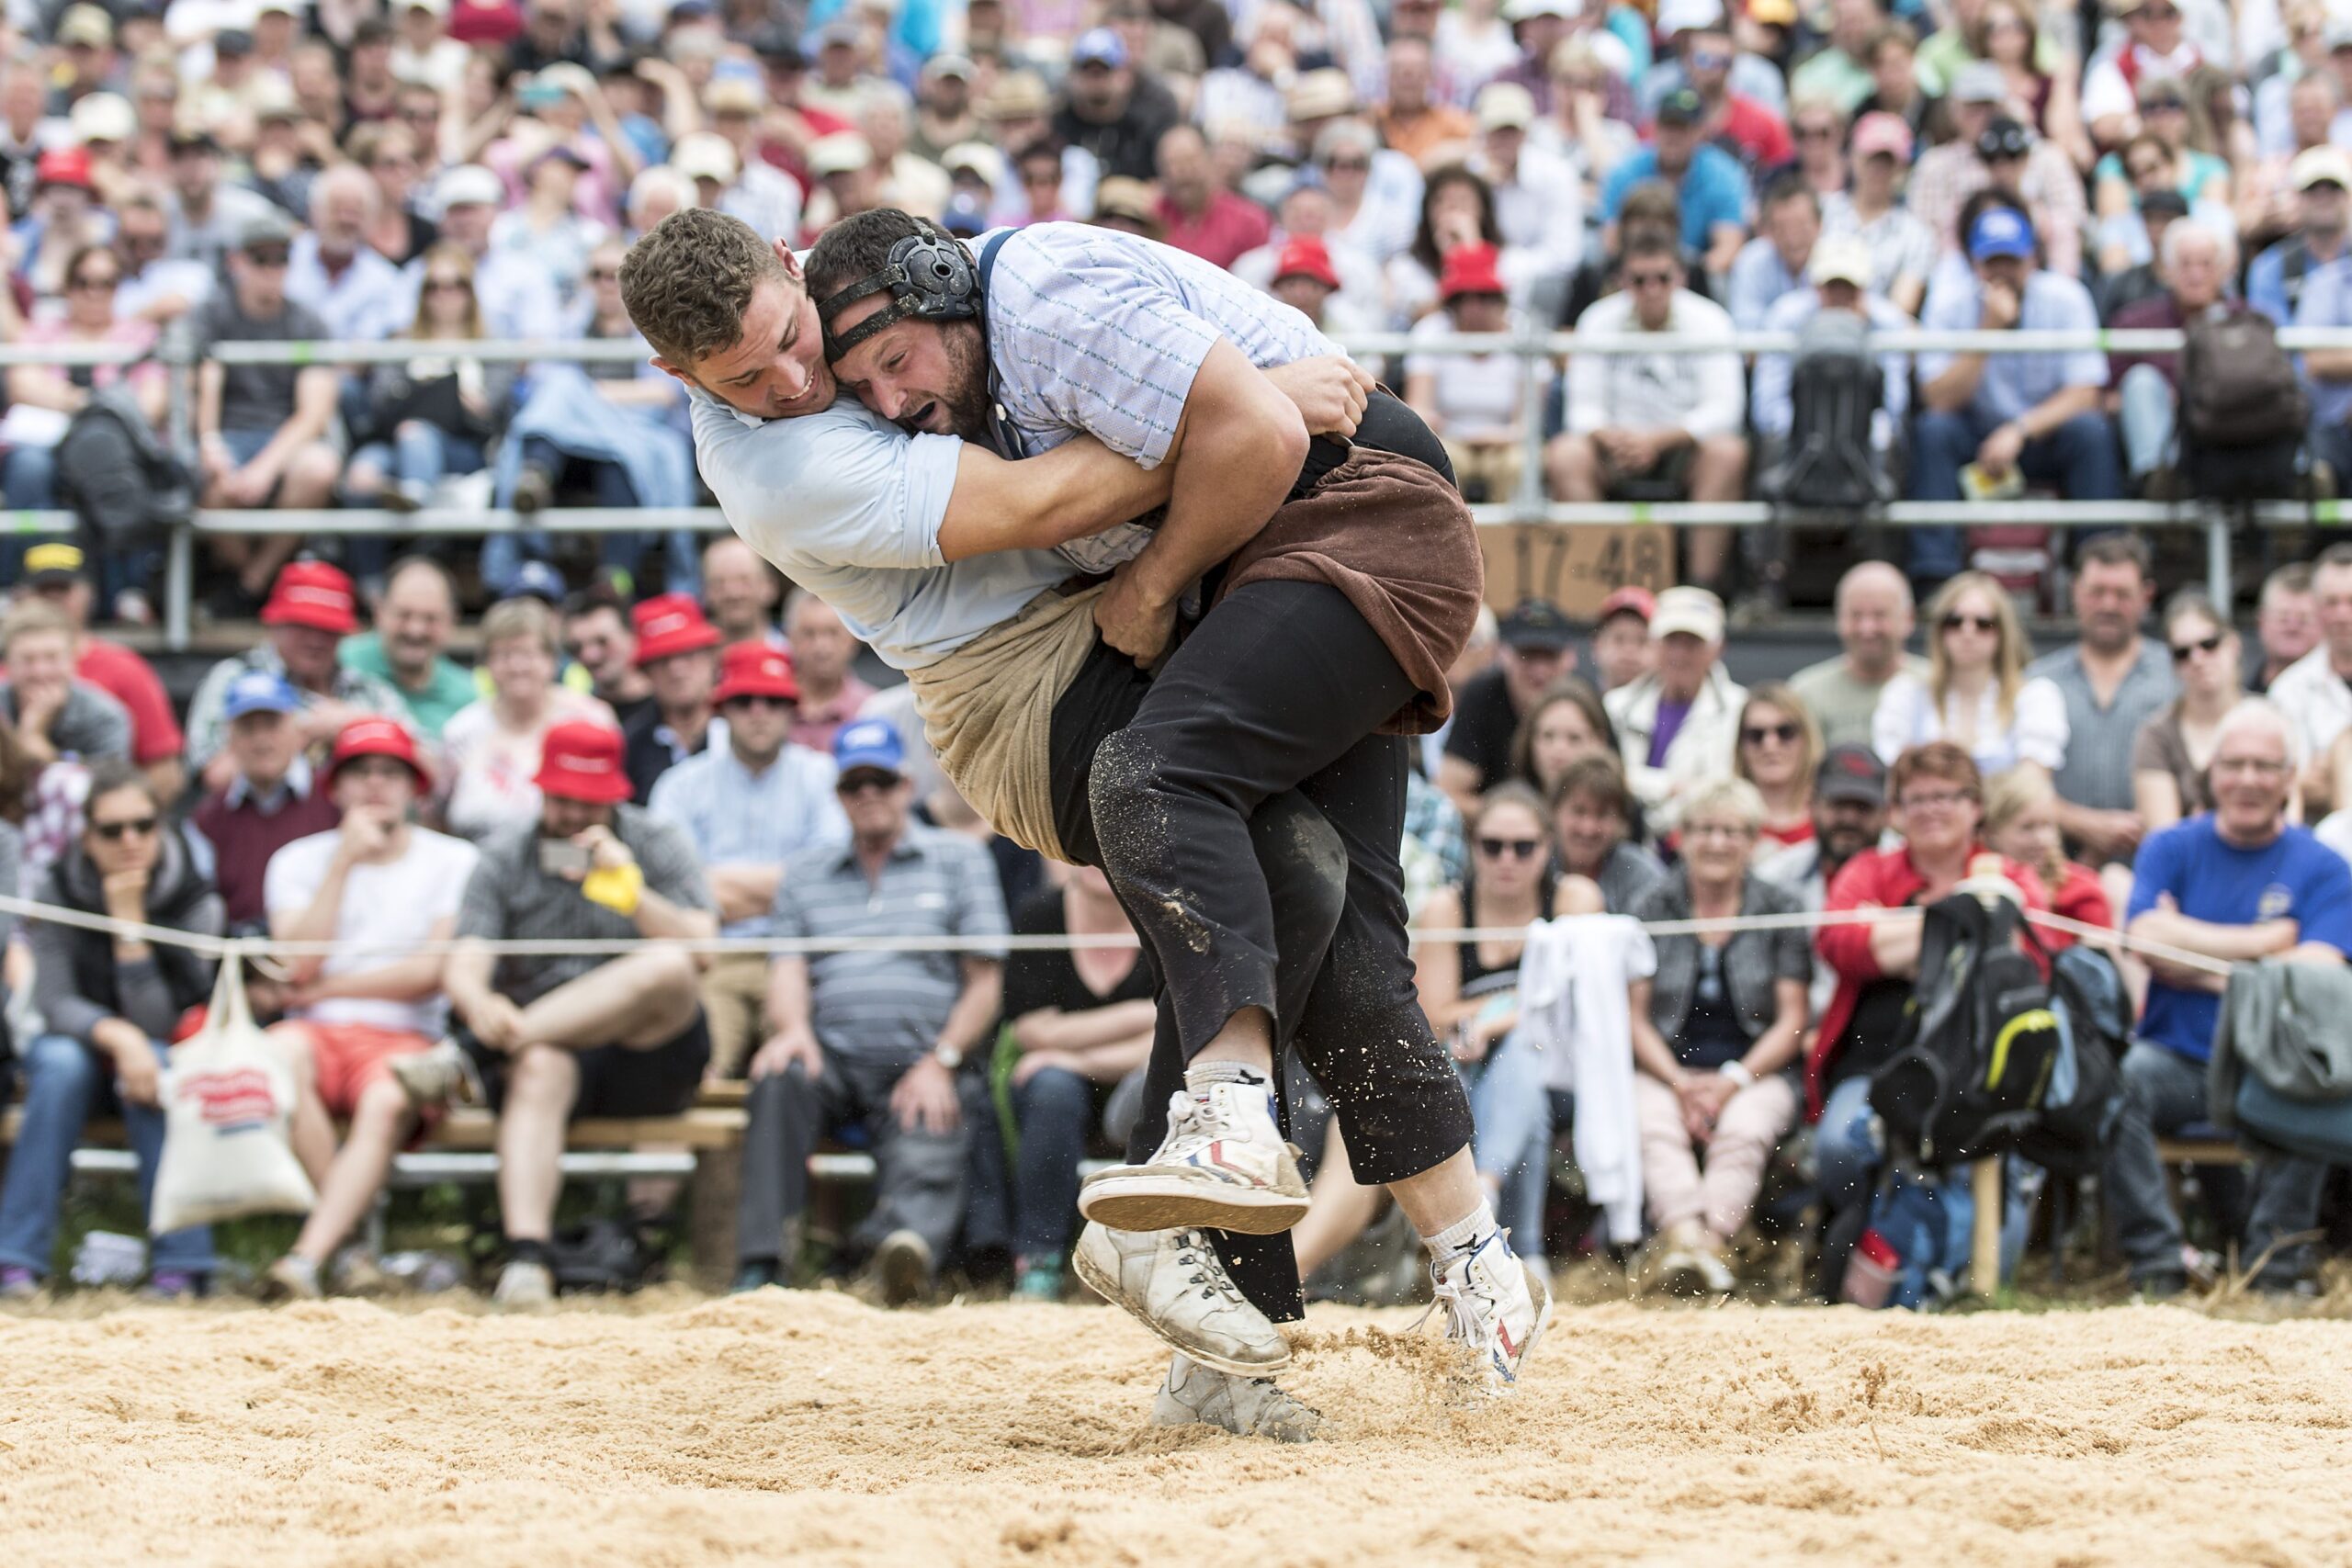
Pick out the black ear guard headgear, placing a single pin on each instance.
(929, 277)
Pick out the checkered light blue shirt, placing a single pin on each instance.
(1097, 332)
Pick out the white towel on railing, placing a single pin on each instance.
(1572, 980)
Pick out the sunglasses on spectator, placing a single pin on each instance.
(93, 282)
(112, 832)
(1709, 58)
(143, 244)
(1816, 133)
(1518, 849)
(603, 275)
(1757, 734)
(1937, 800)
(855, 785)
(268, 255)
(760, 699)
(1354, 166)
(2182, 652)
(1649, 280)
(2165, 105)
(2146, 172)
(1954, 621)
(447, 285)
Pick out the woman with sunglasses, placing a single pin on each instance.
(2174, 151)
(1976, 694)
(1567, 722)
(43, 399)
(1780, 746)
(387, 149)
(2172, 751)
(1713, 1032)
(109, 1004)
(1469, 990)
(442, 414)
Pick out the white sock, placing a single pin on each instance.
(1201, 1076)
(1466, 1234)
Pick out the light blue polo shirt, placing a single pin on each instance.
(849, 506)
(2012, 383)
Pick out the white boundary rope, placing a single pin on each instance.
(217, 947)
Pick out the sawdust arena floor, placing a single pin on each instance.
(811, 1428)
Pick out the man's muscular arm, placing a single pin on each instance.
(1235, 455)
(1081, 487)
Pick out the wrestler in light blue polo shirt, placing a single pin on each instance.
(849, 506)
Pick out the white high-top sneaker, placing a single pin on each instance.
(1495, 1304)
(1222, 1166)
(1247, 1407)
(1174, 1285)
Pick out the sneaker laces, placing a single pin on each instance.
(1192, 1251)
(1463, 1320)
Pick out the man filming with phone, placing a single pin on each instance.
(576, 1035)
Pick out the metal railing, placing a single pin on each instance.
(1528, 505)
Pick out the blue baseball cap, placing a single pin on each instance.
(258, 691)
(869, 743)
(2000, 232)
(1099, 46)
(536, 580)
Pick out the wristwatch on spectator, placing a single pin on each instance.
(946, 1056)
(1737, 1072)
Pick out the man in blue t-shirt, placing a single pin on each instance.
(1708, 182)
(2234, 884)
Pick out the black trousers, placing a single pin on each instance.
(1211, 796)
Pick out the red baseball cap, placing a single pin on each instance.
(378, 736)
(313, 593)
(580, 760)
(1307, 257)
(755, 670)
(63, 166)
(671, 622)
(1470, 269)
(1628, 600)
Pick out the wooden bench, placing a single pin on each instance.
(1985, 1176)
(702, 1145)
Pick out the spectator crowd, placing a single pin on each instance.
(657, 741)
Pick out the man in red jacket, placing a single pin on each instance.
(59, 573)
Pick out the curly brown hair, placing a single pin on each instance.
(688, 281)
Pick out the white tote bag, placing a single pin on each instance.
(227, 1097)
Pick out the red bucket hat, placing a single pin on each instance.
(755, 670)
(378, 736)
(668, 623)
(580, 760)
(313, 593)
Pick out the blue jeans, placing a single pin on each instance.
(2163, 1092)
(1054, 1112)
(1513, 1141)
(609, 484)
(1848, 1145)
(2079, 458)
(64, 1082)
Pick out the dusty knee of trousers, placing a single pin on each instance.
(1306, 866)
(1131, 820)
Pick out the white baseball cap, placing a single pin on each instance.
(1692, 610)
(705, 155)
(1839, 258)
(842, 153)
(469, 185)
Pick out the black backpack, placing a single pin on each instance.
(1834, 386)
(123, 483)
(2242, 409)
(1980, 1046)
(2086, 1094)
